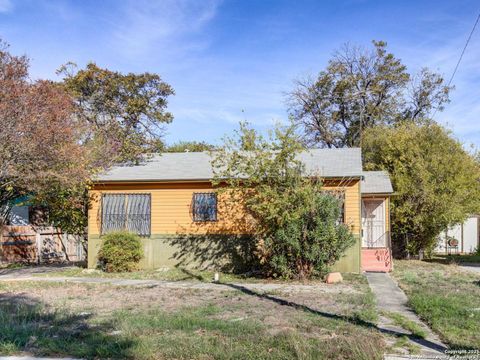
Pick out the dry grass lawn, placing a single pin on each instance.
(446, 297)
(105, 321)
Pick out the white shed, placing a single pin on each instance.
(466, 234)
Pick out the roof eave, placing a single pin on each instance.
(105, 181)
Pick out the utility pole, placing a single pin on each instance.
(361, 125)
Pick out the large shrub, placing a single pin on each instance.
(311, 240)
(295, 224)
(120, 251)
(436, 181)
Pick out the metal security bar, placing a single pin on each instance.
(131, 212)
(113, 212)
(138, 214)
(204, 206)
(374, 232)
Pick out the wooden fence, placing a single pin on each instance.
(39, 245)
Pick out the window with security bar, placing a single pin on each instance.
(129, 212)
(204, 206)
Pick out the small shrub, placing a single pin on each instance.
(120, 251)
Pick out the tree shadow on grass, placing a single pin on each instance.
(354, 320)
(34, 269)
(27, 325)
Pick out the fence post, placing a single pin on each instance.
(38, 240)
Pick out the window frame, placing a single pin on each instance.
(125, 206)
(202, 220)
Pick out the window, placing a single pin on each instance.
(130, 212)
(340, 196)
(342, 208)
(204, 206)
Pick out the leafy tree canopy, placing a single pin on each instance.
(436, 182)
(126, 112)
(363, 88)
(189, 146)
(123, 117)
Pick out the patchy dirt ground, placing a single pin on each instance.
(323, 319)
(104, 298)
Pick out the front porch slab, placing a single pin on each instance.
(377, 259)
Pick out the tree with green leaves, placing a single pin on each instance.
(436, 182)
(123, 117)
(189, 146)
(126, 112)
(359, 89)
(296, 227)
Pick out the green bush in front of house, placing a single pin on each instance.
(311, 240)
(120, 251)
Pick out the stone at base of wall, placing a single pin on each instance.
(334, 278)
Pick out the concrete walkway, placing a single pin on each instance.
(391, 299)
(31, 358)
(259, 287)
(471, 267)
(34, 269)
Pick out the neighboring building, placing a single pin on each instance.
(460, 239)
(27, 237)
(169, 200)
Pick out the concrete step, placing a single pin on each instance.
(378, 260)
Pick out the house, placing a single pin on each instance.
(169, 200)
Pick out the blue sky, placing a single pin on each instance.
(234, 59)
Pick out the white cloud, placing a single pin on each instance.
(6, 6)
(146, 26)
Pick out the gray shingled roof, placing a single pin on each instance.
(189, 166)
(376, 182)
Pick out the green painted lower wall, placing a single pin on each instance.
(350, 262)
(222, 252)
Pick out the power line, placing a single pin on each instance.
(460, 58)
(463, 51)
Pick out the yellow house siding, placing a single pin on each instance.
(171, 204)
(171, 216)
(387, 214)
(170, 209)
(352, 201)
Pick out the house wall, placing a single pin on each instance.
(177, 240)
(19, 215)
